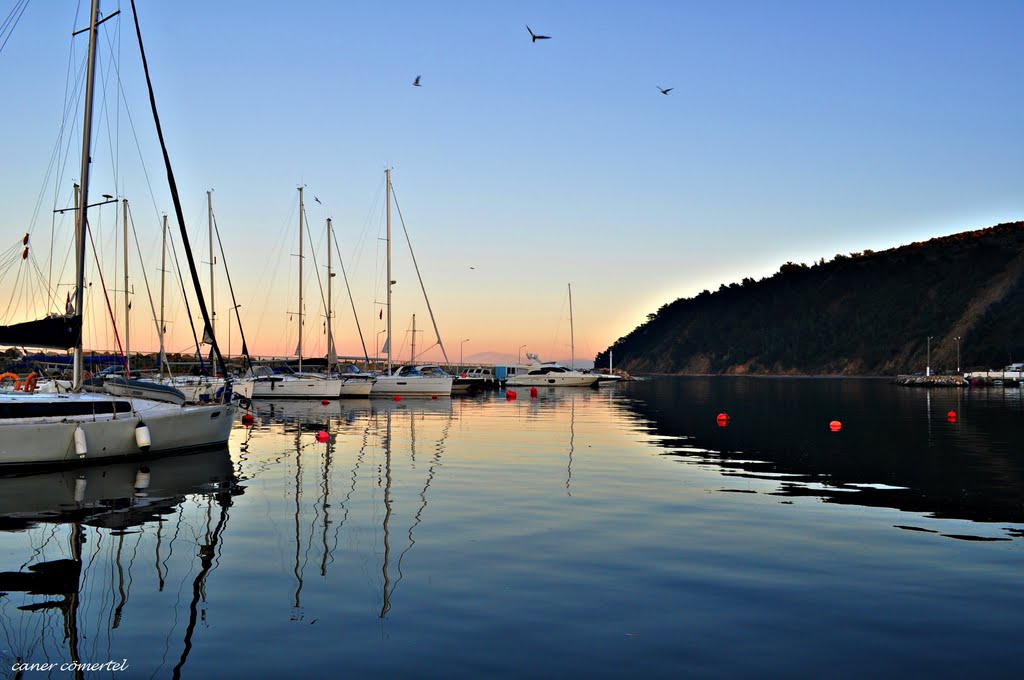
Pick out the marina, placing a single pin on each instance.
(580, 533)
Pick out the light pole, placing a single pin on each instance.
(460, 352)
(928, 364)
(520, 359)
(957, 354)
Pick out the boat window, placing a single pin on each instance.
(61, 409)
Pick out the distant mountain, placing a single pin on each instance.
(859, 314)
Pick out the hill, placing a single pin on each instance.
(859, 314)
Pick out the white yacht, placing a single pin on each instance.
(550, 373)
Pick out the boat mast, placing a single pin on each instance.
(331, 358)
(572, 340)
(83, 196)
(163, 280)
(213, 259)
(298, 349)
(127, 323)
(412, 354)
(387, 174)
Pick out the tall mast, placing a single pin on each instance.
(298, 349)
(213, 260)
(163, 279)
(83, 196)
(330, 339)
(387, 174)
(127, 323)
(572, 340)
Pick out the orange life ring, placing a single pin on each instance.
(30, 382)
(88, 375)
(8, 374)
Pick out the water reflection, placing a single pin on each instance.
(87, 531)
(897, 448)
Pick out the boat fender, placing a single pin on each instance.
(142, 437)
(142, 478)
(80, 484)
(80, 447)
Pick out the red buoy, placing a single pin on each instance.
(247, 420)
(322, 436)
(951, 416)
(434, 397)
(325, 402)
(835, 426)
(533, 393)
(723, 419)
(510, 395)
(398, 398)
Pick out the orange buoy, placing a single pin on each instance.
(247, 419)
(322, 436)
(835, 426)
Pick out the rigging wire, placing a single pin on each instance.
(437, 333)
(231, 289)
(110, 309)
(11, 22)
(341, 261)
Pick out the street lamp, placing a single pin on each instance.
(928, 364)
(957, 338)
(520, 359)
(460, 352)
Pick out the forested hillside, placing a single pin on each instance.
(867, 313)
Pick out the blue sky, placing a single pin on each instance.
(794, 131)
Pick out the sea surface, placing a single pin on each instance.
(620, 532)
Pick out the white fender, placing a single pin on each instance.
(142, 437)
(80, 447)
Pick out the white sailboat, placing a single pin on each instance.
(281, 382)
(54, 428)
(405, 380)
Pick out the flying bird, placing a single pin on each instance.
(663, 90)
(317, 200)
(536, 37)
(416, 83)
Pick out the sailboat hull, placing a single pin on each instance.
(420, 386)
(293, 387)
(108, 424)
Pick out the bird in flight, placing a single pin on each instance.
(536, 37)
(416, 83)
(317, 200)
(663, 90)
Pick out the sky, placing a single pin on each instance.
(793, 131)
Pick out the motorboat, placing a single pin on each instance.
(542, 374)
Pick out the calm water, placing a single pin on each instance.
(586, 533)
